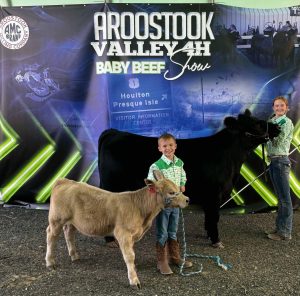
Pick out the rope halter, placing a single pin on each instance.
(263, 136)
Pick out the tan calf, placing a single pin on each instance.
(96, 212)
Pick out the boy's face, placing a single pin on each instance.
(279, 108)
(167, 147)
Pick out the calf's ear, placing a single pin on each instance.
(150, 184)
(158, 175)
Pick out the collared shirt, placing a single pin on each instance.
(172, 170)
(281, 145)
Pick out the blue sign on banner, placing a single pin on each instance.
(140, 103)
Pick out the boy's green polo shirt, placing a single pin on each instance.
(172, 170)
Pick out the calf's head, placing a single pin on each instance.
(170, 193)
(256, 131)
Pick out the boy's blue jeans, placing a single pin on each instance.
(279, 172)
(167, 225)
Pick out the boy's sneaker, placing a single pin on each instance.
(278, 237)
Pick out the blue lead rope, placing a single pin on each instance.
(216, 259)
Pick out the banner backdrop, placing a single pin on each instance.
(68, 73)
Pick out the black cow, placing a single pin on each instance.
(212, 163)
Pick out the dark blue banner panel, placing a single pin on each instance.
(68, 73)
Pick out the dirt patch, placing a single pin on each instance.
(259, 266)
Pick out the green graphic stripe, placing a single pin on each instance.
(258, 186)
(85, 177)
(38, 124)
(45, 193)
(258, 151)
(33, 165)
(294, 182)
(12, 138)
(296, 136)
(239, 211)
(238, 199)
(7, 146)
(67, 130)
(27, 172)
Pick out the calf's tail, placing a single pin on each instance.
(59, 182)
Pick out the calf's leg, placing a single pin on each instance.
(53, 232)
(126, 245)
(69, 232)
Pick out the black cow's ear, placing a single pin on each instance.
(247, 112)
(230, 122)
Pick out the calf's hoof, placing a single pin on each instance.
(75, 257)
(136, 284)
(50, 263)
(51, 266)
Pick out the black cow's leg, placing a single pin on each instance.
(211, 220)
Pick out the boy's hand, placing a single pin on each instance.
(182, 188)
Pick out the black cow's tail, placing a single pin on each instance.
(104, 135)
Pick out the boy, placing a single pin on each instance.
(167, 220)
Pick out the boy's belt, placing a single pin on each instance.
(277, 156)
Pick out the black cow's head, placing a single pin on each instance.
(257, 130)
